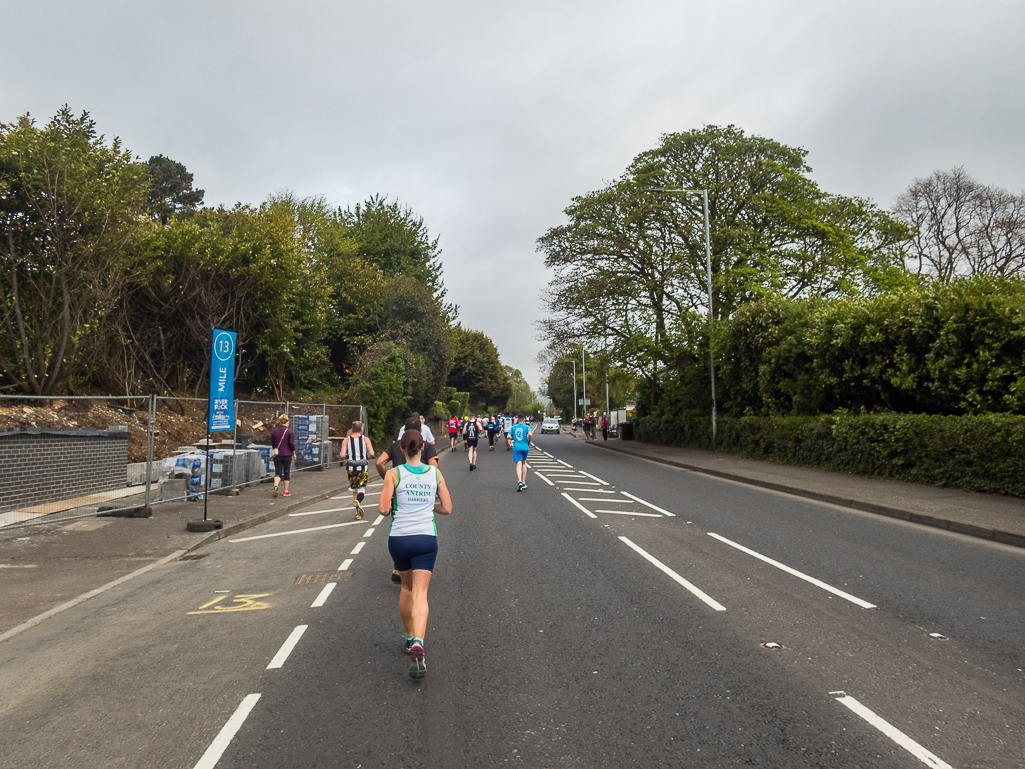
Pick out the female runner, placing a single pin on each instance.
(412, 494)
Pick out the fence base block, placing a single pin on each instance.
(209, 525)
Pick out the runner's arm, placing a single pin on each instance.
(443, 502)
(391, 480)
(382, 464)
(370, 447)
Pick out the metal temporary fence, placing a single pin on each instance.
(68, 457)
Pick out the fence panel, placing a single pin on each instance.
(63, 458)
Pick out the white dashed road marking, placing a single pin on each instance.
(322, 598)
(692, 588)
(796, 573)
(895, 734)
(287, 647)
(220, 744)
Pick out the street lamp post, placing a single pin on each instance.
(583, 378)
(574, 362)
(708, 270)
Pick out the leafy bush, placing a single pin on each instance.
(954, 349)
(977, 452)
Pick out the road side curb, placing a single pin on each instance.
(210, 538)
(979, 532)
(250, 523)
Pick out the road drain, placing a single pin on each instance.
(193, 556)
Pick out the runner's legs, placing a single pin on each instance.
(413, 607)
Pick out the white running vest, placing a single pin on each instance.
(413, 504)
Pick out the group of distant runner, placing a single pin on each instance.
(414, 492)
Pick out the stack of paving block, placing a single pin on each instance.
(262, 451)
(311, 432)
(235, 468)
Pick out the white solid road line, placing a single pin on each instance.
(318, 512)
(86, 596)
(592, 491)
(359, 546)
(228, 731)
(630, 512)
(582, 483)
(648, 504)
(578, 505)
(322, 598)
(297, 531)
(692, 588)
(796, 573)
(286, 647)
(603, 483)
(345, 565)
(895, 734)
(606, 499)
(543, 478)
(565, 464)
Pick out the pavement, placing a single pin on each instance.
(50, 566)
(986, 516)
(47, 568)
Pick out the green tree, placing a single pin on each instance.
(380, 386)
(396, 241)
(251, 270)
(407, 314)
(630, 265)
(170, 191)
(70, 214)
(476, 368)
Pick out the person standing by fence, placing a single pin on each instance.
(282, 440)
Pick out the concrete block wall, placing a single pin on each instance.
(39, 465)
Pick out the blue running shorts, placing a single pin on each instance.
(418, 551)
(519, 456)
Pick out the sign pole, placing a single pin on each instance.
(220, 413)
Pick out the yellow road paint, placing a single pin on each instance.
(245, 603)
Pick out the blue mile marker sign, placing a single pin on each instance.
(221, 415)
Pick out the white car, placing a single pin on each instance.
(550, 425)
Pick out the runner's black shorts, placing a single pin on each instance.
(471, 442)
(418, 551)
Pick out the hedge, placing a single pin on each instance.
(977, 452)
(936, 349)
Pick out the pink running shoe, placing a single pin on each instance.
(287, 494)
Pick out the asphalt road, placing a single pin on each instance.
(617, 612)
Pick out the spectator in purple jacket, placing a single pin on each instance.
(282, 439)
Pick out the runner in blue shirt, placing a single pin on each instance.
(521, 445)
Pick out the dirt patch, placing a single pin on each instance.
(178, 423)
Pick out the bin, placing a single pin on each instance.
(626, 431)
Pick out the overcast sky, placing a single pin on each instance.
(487, 118)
